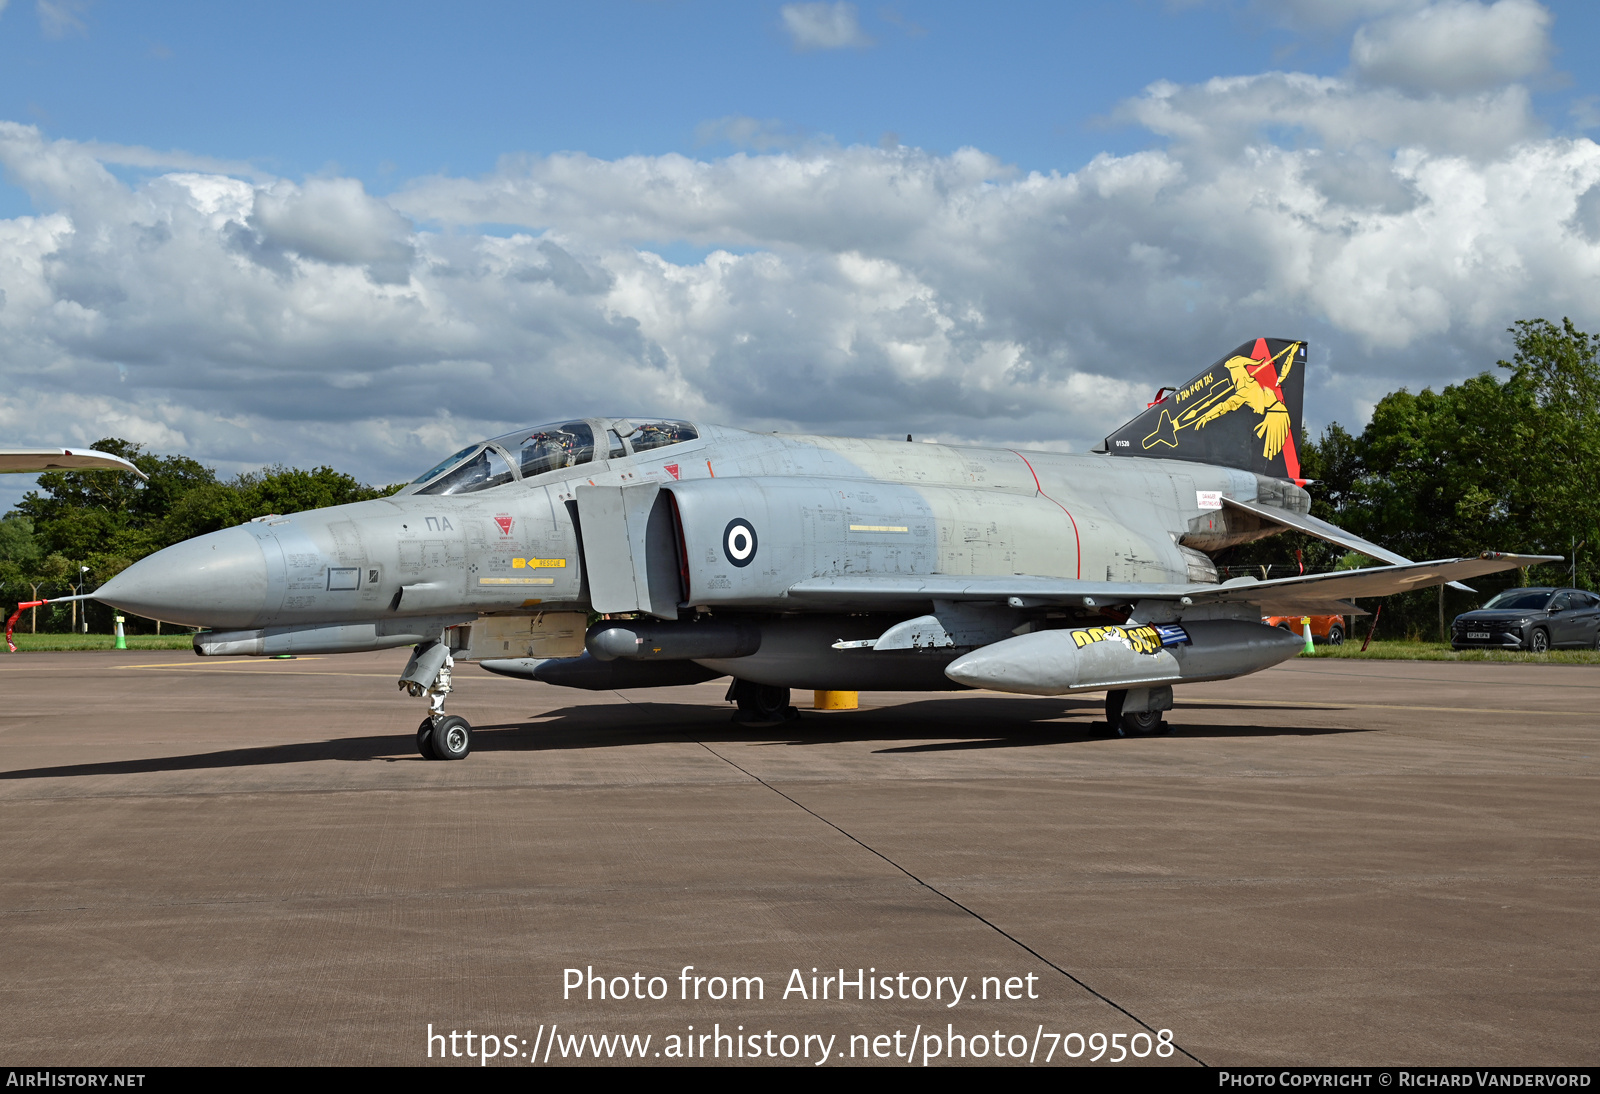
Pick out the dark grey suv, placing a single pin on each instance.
(1531, 619)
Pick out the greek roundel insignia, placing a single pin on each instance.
(739, 542)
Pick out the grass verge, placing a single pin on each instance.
(40, 643)
(1441, 651)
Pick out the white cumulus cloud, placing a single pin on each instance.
(248, 319)
(821, 25)
(334, 220)
(1455, 46)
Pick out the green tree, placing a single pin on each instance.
(17, 543)
(275, 489)
(1557, 369)
(1503, 462)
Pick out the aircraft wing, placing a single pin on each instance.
(61, 459)
(1301, 593)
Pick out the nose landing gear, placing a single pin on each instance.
(446, 737)
(441, 736)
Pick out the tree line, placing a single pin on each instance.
(1507, 460)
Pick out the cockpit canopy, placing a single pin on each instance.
(527, 453)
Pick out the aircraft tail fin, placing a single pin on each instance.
(1243, 411)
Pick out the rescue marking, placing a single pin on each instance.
(516, 581)
(538, 563)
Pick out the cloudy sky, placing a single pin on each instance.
(362, 234)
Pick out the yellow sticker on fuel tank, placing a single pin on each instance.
(1145, 639)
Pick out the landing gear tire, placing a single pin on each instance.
(425, 739)
(1114, 701)
(1144, 724)
(451, 738)
(761, 704)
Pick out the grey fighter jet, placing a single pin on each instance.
(803, 561)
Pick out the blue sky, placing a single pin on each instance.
(362, 233)
(384, 92)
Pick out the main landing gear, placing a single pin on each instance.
(441, 736)
(1138, 723)
(760, 704)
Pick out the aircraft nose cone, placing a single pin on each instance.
(217, 580)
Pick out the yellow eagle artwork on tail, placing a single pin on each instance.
(1252, 382)
(1266, 399)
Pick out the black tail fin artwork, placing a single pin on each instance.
(1243, 411)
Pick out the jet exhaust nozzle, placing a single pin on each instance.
(643, 640)
(1127, 656)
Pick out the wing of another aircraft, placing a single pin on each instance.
(1292, 594)
(23, 460)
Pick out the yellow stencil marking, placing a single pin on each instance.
(879, 528)
(516, 581)
(1139, 639)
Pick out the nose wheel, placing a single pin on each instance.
(441, 736)
(445, 737)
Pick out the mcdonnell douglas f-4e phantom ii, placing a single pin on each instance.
(804, 562)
